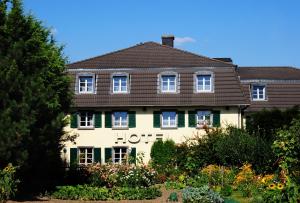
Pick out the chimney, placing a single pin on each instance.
(168, 40)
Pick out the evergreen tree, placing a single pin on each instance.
(34, 96)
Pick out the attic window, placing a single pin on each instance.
(86, 84)
(168, 82)
(203, 82)
(258, 92)
(120, 83)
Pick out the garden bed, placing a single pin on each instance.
(163, 198)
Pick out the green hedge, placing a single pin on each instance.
(85, 192)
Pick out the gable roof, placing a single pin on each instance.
(282, 86)
(269, 73)
(149, 55)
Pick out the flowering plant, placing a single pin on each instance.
(8, 183)
(111, 175)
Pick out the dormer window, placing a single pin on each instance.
(168, 83)
(204, 83)
(120, 83)
(86, 84)
(258, 92)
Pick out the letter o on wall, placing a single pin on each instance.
(134, 138)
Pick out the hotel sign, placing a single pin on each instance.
(135, 138)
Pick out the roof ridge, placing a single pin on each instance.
(109, 53)
(198, 55)
(157, 44)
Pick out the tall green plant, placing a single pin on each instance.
(163, 155)
(35, 96)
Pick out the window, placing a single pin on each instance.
(86, 120)
(120, 84)
(203, 83)
(86, 156)
(168, 83)
(120, 155)
(169, 119)
(120, 119)
(258, 92)
(203, 118)
(86, 84)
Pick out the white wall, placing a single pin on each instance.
(144, 131)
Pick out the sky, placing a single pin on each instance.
(251, 32)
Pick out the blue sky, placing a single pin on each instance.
(251, 32)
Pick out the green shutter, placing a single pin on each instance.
(132, 119)
(97, 155)
(108, 155)
(74, 121)
(216, 119)
(192, 119)
(156, 119)
(181, 119)
(73, 156)
(132, 159)
(108, 119)
(98, 120)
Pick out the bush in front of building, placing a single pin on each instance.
(117, 175)
(229, 147)
(163, 158)
(86, 192)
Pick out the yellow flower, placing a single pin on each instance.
(272, 186)
(280, 186)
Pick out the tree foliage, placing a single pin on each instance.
(34, 92)
(265, 123)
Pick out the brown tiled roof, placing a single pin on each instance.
(143, 63)
(273, 73)
(149, 55)
(282, 86)
(143, 89)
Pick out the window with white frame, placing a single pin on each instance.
(86, 84)
(120, 155)
(120, 119)
(204, 118)
(169, 119)
(120, 84)
(86, 155)
(258, 92)
(204, 83)
(86, 120)
(168, 83)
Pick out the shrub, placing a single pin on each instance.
(173, 197)
(226, 190)
(163, 156)
(111, 175)
(218, 175)
(245, 181)
(235, 147)
(202, 195)
(85, 192)
(265, 123)
(8, 183)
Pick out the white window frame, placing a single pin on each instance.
(86, 120)
(168, 83)
(203, 83)
(202, 122)
(85, 154)
(119, 86)
(85, 83)
(169, 120)
(120, 120)
(122, 156)
(257, 92)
